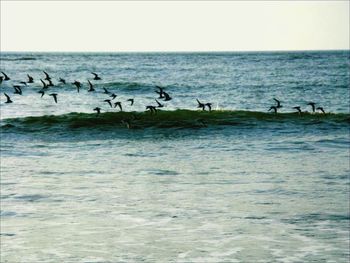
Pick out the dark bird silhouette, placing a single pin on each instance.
(274, 108)
(24, 83)
(91, 87)
(298, 109)
(47, 77)
(42, 93)
(152, 109)
(77, 84)
(98, 110)
(1, 79)
(278, 103)
(8, 99)
(312, 104)
(113, 96)
(54, 95)
(18, 89)
(166, 96)
(6, 78)
(63, 81)
(109, 102)
(321, 109)
(96, 76)
(30, 79)
(44, 84)
(200, 105)
(119, 104)
(160, 92)
(50, 83)
(159, 104)
(131, 101)
(208, 105)
(106, 91)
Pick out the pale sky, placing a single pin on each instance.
(174, 25)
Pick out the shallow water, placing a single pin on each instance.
(234, 185)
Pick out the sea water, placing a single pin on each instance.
(237, 184)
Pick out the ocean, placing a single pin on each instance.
(238, 183)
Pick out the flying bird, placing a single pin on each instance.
(113, 96)
(278, 103)
(77, 84)
(42, 93)
(119, 104)
(298, 109)
(312, 104)
(159, 104)
(321, 109)
(54, 95)
(91, 87)
(274, 108)
(6, 78)
(200, 105)
(8, 99)
(18, 89)
(131, 101)
(109, 102)
(98, 110)
(63, 81)
(30, 79)
(44, 84)
(47, 77)
(96, 76)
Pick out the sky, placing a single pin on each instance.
(124, 26)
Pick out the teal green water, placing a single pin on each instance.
(237, 184)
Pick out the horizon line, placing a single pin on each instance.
(170, 51)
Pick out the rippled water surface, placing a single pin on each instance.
(238, 184)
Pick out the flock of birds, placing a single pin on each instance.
(162, 95)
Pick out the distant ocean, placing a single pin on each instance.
(235, 184)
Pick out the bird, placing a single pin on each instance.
(321, 109)
(6, 78)
(44, 84)
(91, 87)
(278, 103)
(98, 110)
(166, 96)
(152, 109)
(106, 91)
(96, 76)
(312, 104)
(23, 83)
(273, 108)
(1, 79)
(131, 101)
(159, 104)
(109, 102)
(30, 79)
(209, 106)
(298, 109)
(18, 89)
(119, 104)
(47, 77)
(113, 96)
(77, 84)
(54, 95)
(160, 92)
(42, 93)
(200, 105)
(63, 81)
(50, 83)
(8, 99)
